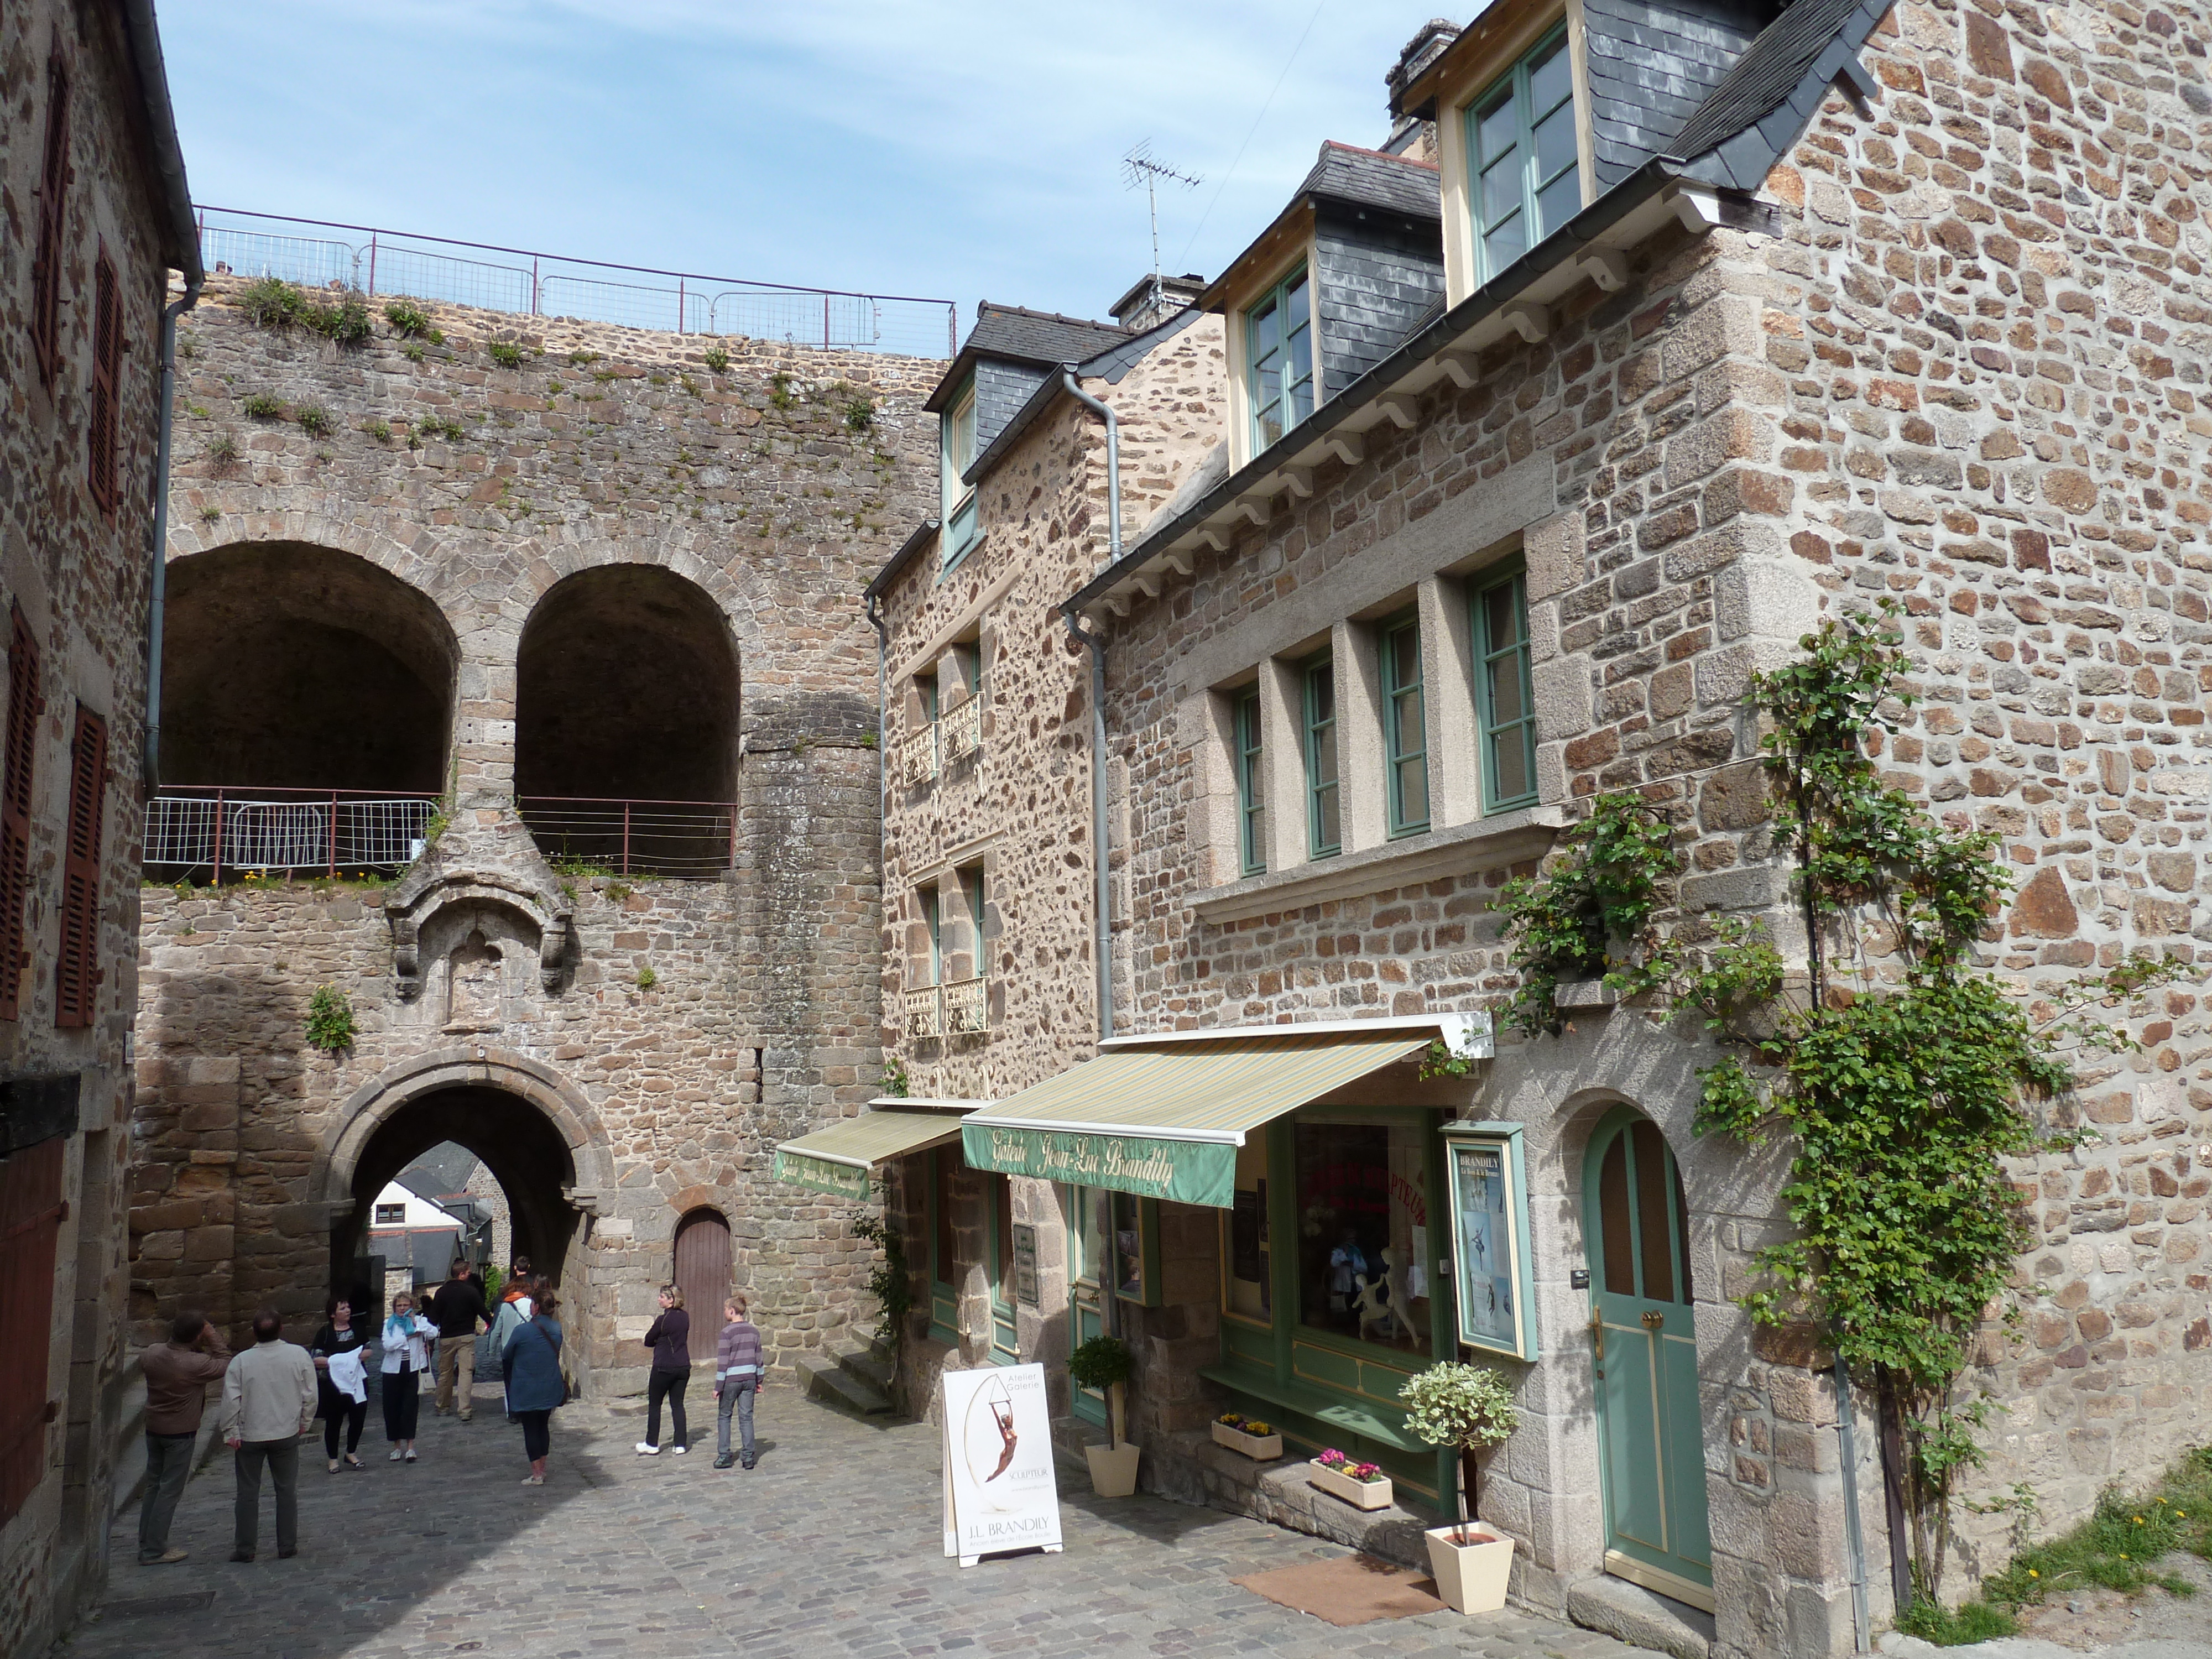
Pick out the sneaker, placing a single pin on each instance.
(167, 1557)
(679, 1450)
(724, 1461)
(752, 1458)
(533, 1480)
(410, 1457)
(396, 1455)
(645, 1450)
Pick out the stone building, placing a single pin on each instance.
(515, 705)
(98, 217)
(1847, 303)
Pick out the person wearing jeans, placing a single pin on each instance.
(177, 1374)
(738, 1376)
(269, 1398)
(669, 1339)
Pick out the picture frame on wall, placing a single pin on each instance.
(1486, 1172)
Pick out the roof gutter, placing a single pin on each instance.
(168, 154)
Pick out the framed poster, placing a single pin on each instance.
(1496, 1281)
(1025, 1264)
(999, 1494)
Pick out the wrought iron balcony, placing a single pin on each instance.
(918, 755)
(962, 730)
(967, 1006)
(925, 1013)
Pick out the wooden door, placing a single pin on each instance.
(1087, 1237)
(1644, 1347)
(31, 1213)
(702, 1274)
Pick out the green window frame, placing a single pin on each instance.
(971, 895)
(932, 911)
(1524, 161)
(1503, 693)
(1405, 726)
(1278, 355)
(1324, 799)
(957, 452)
(1251, 801)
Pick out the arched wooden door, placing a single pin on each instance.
(1644, 1347)
(702, 1274)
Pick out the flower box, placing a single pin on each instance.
(1235, 1433)
(1338, 1482)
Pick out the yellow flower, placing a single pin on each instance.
(2033, 1573)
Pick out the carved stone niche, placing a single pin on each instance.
(471, 938)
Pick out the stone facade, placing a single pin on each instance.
(77, 576)
(619, 1051)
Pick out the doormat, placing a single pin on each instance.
(1351, 1589)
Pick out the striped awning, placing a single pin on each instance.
(1165, 1122)
(839, 1158)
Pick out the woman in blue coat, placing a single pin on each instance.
(534, 1386)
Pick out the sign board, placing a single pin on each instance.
(1186, 1171)
(821, 1175)
(999, 1493)
(1491, 1265)
(1025, 1265)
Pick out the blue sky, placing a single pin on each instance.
(951, 151)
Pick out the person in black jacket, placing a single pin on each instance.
(669, 1339)
(457, 1308)
(341, 1333)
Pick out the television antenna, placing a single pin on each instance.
(1141, 166)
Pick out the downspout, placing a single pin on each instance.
(882, 733)
(1102, 904)
(193, 283)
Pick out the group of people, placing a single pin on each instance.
(273, 1391)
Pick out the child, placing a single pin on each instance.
(738, 1376)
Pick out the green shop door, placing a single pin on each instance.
(1089, 1237)
(1643, 1344)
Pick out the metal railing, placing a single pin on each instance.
(918, 755)
(332, 831)
(925, 1013)
(397, 263)
(686, 840)
(967, 1006)
(962, 725)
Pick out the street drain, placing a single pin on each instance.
(158, 1606)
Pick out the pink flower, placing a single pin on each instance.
(1331, 1459)
(1367, 1472)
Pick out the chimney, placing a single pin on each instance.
(1410, 136)
(1140, 308)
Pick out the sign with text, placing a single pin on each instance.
(999, 1494)
(821, 1175)
(1489, 1186)
(1187, 1171)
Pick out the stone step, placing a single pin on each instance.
(826, 1379)
(869, 1365)
(1638, 1616)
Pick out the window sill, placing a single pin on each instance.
(1488, 843)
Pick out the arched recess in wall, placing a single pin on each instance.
(289, 665)
(626, 699)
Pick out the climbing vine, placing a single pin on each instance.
(888, 1279)
(1906, 1091)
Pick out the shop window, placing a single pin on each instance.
(1504, 704)
(1251, 799)
(1405, 732)
(1522, 157)
(1363, 1229)
(1136, 1252)
(1248, 1284)
(1324, 834)
(1278, 346)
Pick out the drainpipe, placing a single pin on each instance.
(883, 733)
(193, 283)
(1103, 905)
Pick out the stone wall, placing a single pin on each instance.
(619, 1051)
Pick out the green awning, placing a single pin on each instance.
(1166, 1121)
(839, 1159)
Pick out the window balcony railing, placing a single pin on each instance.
(327, 832)
(963, 729)
(918, 755)
(925, 1013)
(967, 1006)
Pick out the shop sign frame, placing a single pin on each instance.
(1493, 1276)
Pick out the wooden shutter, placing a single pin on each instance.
(31, 1214)
(76, 968)
(106, 378)
(53, 192)
(22, 744)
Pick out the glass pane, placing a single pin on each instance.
(1504, 246)
(1360, 1195)
(1507, 700)
(1558, 201)
(1501, 609)
(1412, 792)
(963, 436)
(1682, 1237)
(1294, 303)
(1555, 141)
(1516, 771)
(1501, 189)
(1405, 734)
(1655, 1233)
(1128, 1247)
(1246, 1245)
(1300, 370)
(1267, 334)
(1299, 404)
(1498, 129)
(1613, 1219)
(1327, 831)
(1551, 77)
(1320, 695)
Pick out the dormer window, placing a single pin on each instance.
(958, 507)
(1522, 157)
(1278, 347)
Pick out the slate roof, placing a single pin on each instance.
(1016, 335)
(1757, 110)
(1371, 178)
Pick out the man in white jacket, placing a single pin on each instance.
(268, 1403)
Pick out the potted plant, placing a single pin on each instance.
(1467, 1408)
(1363, 1486)
(1255, 1439)
(1102, 1363)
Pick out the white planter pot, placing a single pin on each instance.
(1113, 1469)
(1361, 1494)
(1471, 1578)
(1260, 1450)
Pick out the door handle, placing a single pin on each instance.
(1653, 1321)
(1597, 1334)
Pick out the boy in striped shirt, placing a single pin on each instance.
(738, 1376)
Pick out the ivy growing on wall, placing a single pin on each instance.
(1904, 1090)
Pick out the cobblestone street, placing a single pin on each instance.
(830, 1547)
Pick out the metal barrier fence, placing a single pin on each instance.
(332, 831)
(589, 290)
(688, 840)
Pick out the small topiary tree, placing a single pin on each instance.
(1103, 1363)
(1467, 1408)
